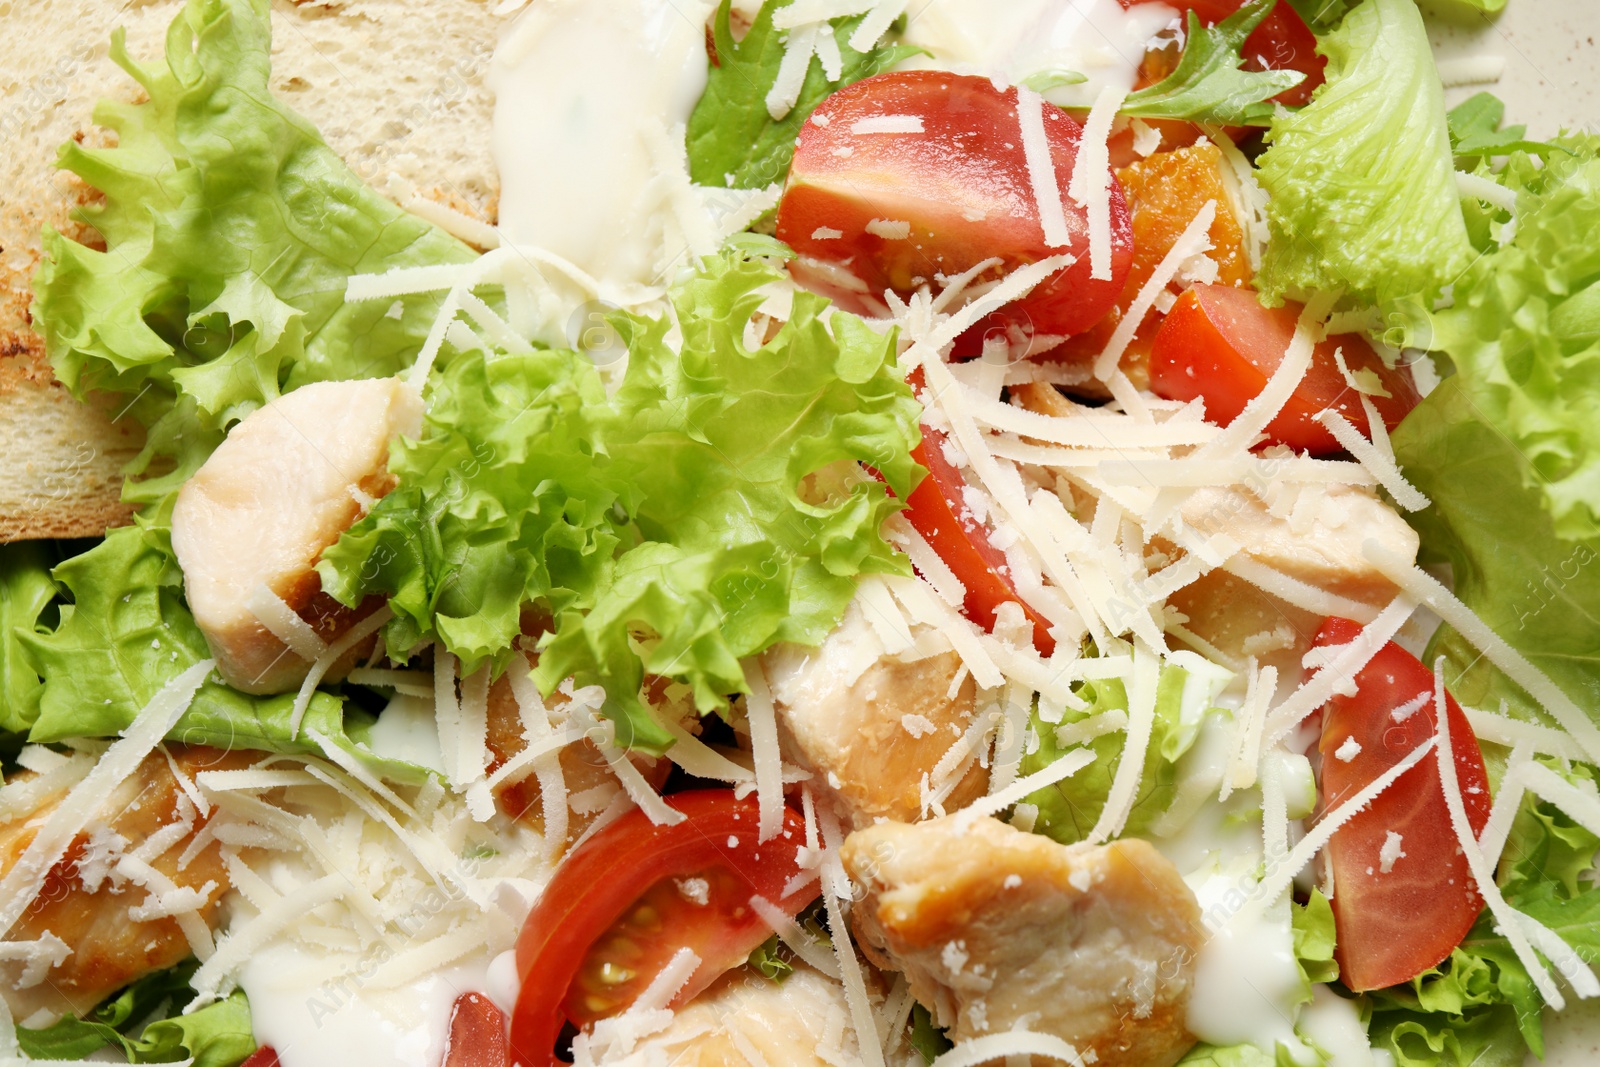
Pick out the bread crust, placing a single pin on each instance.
(396, 87)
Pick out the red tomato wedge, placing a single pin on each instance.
(938, 511)
(1282, 41)
(261, 1057)
(622, 906)
(1220, 344)
(477, 1034)
(1394, 925)
(913, 174)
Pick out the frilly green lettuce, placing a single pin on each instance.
(1361, 184)
(693, 519)
(230, 230)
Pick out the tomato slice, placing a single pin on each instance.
(950, 190)
(1394, 925)
(622, 906)
(261, 1057)
(477, 1034)
(1220, 344)
(1282, 41)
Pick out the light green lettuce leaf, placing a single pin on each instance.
(127, 633)
(1361, 186)
(1203, 1055)
(26, 591)
(504, 502)
(230, 230)
(1069, 809)
(1312, 927)
(662, 530)
(1523, 332)
(732, 139)
(1208, 84)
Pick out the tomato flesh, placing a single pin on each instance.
(900, 209)
(622, 906)
(261, 1057)
(1393, 926)
(1281, 41)
(477, 1034)
(1219, 344)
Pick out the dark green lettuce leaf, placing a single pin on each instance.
(218, 1035)
(1208, 84)
(733, 140)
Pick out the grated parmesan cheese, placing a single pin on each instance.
(1091, 175)
(1042, 169)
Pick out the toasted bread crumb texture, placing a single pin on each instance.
(395, 86)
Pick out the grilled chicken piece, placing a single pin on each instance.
(872, 728)
(91, 900)
(1316, 538)
(996, 928)
(583, 768)
(290, 478)
(748, 1021)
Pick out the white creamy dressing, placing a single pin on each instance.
(582, 89)
(1018, 38)
(312, 1023)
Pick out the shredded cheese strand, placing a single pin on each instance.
(1042, 169)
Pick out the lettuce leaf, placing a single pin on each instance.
(1535, 589)
(1069, 809)
(1523, 332)
(1208, 84)
(1203, 1055)
(230, 230)
(218, 1035)
(1313, 930)
(1475, 130)
(675, 539)
(1361, 186)
(732, 139)
(26, 591)
(127, 633)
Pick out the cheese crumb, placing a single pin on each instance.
(954, 956)
(1080, 880)
(918, 726)
(1012, 881)
(695, 890)
(890, 229)
(1348, 751)
(1390, 852)
(826, 233)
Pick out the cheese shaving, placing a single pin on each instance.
(1514, 925)
(283, 623)
(1195, 238)
(876, 24)
(1421, 585)
(1064, 767)
(1339, 674)
(799, 47)
(1382, 468)
(804, 12)
(324, 663)
(978, 1051)
(27, 875)
(1130, 765)
(1042, 169)
(886, 124)
(763, 720)
(1091, 176)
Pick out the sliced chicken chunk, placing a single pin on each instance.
(251, 523)
(587, 778)
(98, 907)
(1319, 542)
(748, 1021)
(872, 727)
(998, 929)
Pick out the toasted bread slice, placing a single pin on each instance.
(396, 87)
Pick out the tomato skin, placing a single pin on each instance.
(1218, 343)
(962, 187)
(937, 511)
(477, 1034)
(261, 1057)
(1392, 927)
(597, 888)
(1282, 41)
